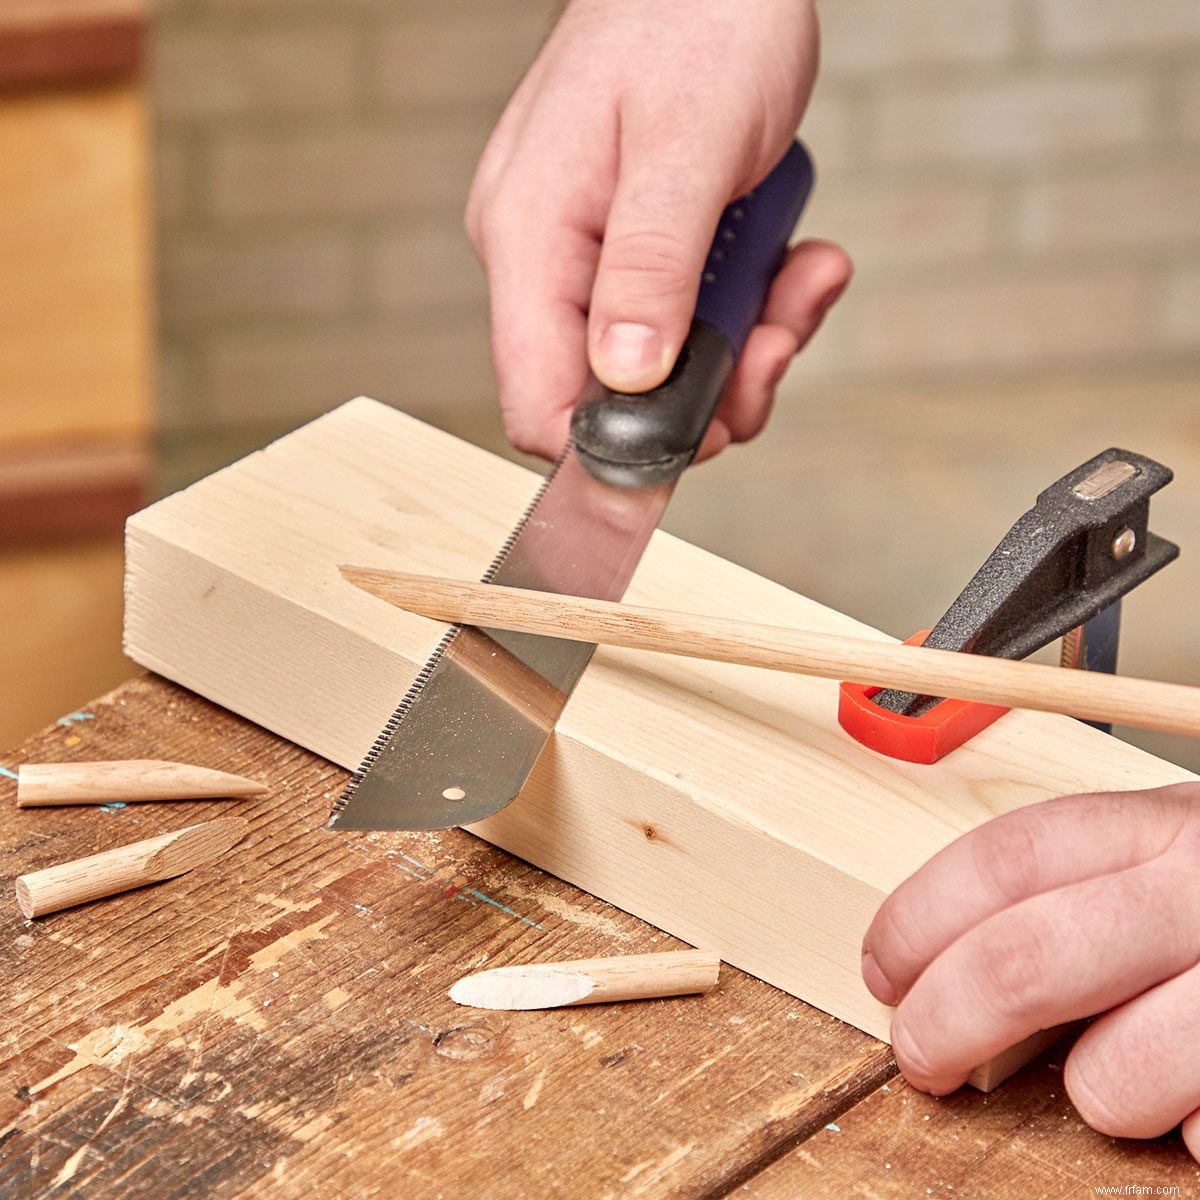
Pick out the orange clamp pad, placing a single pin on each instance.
(923, 739)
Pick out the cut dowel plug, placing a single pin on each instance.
(591, 980)
(126, 867)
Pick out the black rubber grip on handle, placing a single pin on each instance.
(637, 441)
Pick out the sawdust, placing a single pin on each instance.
(560, 906)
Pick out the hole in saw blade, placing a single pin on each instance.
(454, 793)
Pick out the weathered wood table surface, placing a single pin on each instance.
(278, 1024)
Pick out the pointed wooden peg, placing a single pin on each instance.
(40, 784)
(127, 867)
(591, 980)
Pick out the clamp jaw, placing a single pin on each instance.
(1061, 571)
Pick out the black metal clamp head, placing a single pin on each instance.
(1083, 545)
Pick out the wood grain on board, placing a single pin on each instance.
(721, 803)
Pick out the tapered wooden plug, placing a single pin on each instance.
(591, 980)
(126, 867)
(40, 784)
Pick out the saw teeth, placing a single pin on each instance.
(415, 688)
(519, 527)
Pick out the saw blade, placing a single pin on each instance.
(489, 698)
(467, 734)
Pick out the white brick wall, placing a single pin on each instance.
(1009, 321)
(1183, 307)
(436, 370)
(342, 170)
(299, 274)
(1117, 26)
(866, 38)
(210, 73)
(1113, 209)
(1017, 180)
(418, 265)
(456, 57)
(911, 223)
(1016, 121)
(1186, 109)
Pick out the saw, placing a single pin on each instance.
(466, 735)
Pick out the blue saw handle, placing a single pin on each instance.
(646, 439)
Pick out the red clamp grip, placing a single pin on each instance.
(924, 739)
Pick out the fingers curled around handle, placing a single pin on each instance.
(813, 275)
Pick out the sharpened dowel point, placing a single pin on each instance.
(127, 867)
(591, 981)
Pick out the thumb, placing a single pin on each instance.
(655, 244)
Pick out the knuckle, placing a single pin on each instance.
(492, 216)
(521, 435)
(895, 940)
(1013, 963)
(485, 227)
(521, 440)
(1008, 858)
(654, 262)
(1182, 802)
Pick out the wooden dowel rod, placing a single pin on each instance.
(39, 784)
(127, 867)
(591, 980)
(1093, 696)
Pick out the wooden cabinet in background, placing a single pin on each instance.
(75, 343)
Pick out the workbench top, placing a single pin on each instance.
(277, 1023)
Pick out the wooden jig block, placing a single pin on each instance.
(591, 980)
(126, 867)
(40, 784)
(721, 803)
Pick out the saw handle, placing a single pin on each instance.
(640, 440)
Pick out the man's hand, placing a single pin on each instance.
(595, 202)
(1066, 909)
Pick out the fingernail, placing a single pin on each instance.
(630, 354)
(876, 980)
